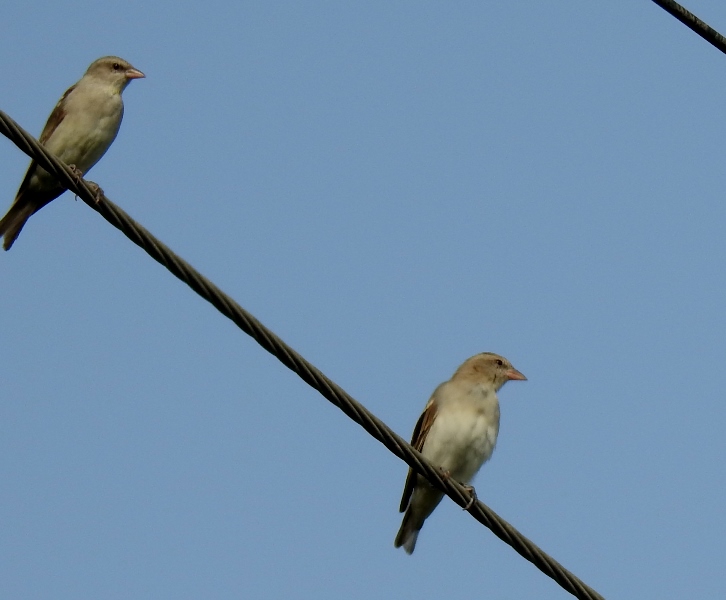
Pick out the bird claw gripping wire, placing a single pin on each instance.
(95, 188)
(446, 474)
(77, 173)
(472, 493)
(97, 191)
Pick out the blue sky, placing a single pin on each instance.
(390, 187)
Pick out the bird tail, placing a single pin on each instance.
(12, 223)
(408, 534)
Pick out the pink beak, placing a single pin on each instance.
(514, 374)
(134, 74)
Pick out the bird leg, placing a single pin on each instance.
(472, 492)
(96, 189)
(77, 173)
(446, 474)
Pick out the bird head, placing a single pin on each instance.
(489, 367)
(115, 70)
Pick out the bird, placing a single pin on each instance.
(80, 129)
(457, 432)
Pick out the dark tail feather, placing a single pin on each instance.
(13, 222)
(408, 533)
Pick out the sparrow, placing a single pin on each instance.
(457, 432)
(80, 129)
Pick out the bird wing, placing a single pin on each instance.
(423, 425)
(55, 119)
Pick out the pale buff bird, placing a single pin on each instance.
(80, 129)
(457, 432)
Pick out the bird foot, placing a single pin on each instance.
(96, 189)
(77, 173)
(472, 493)
(446, 474)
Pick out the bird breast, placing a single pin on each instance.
(88, 130)
(462, 438)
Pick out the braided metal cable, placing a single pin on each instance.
(691, 21)
(291, 359)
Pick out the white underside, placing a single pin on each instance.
(461, 441)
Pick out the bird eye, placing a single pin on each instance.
(500, 363)
(116, 66)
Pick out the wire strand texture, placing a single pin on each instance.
(292, 360)
(691, 21)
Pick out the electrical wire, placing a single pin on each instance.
(96, 199)
(694, 23)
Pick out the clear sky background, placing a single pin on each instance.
(391, 187)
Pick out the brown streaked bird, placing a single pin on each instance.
(80, 129)
(457, 432)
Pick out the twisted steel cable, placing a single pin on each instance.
(691, 21)
(292, 360)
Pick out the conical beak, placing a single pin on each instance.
(134, 74)
(515, 375)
